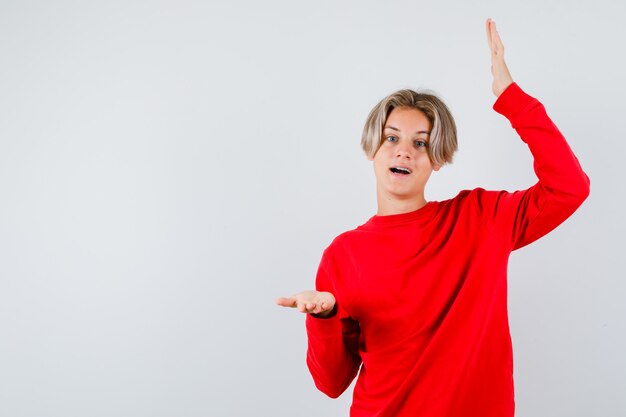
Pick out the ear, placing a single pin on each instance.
(436, 167)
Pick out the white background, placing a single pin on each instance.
(169, 168)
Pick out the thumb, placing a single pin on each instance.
(286, 301)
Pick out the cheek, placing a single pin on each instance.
(379, 169)
(378, 161)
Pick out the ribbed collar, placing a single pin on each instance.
(418, 217)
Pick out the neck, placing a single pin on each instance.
(388, 205)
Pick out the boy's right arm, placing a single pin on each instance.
(333, 337)
(332, 354)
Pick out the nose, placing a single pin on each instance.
(404, 150)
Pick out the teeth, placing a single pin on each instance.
(408, 171)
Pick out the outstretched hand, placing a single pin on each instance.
(315, 302)
(501, 76)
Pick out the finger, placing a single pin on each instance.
(317, 309)
(493, 34)
(321, 306)
(496, 42)
(286, 302)
(488, 29)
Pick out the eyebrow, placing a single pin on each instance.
(397, 130)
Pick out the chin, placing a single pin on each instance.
(404, 194)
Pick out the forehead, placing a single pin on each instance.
(407, 119)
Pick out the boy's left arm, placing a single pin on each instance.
(562, 186)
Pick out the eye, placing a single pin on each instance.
(391, 139)
(421, 144)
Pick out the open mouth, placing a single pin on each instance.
(400, 170)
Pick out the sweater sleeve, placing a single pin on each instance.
(332, 354)
(562, 186)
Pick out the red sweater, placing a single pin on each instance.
(422, 296)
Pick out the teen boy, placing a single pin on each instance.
(414, 300)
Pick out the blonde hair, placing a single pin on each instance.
(442, 143)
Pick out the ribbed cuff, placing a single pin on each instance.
(323, 325)
(512, 101)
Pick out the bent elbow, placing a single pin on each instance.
(332, 392)
(332, 384)
(331, 388)
(575, 192)
(583, 190)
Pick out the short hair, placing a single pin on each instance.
(442, 143)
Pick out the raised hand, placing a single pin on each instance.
(501, 76)
(315, 302)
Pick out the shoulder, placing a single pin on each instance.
(468, 197)
(477, 200)
(345, 242)
(343, 239)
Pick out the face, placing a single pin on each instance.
(401, 164)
